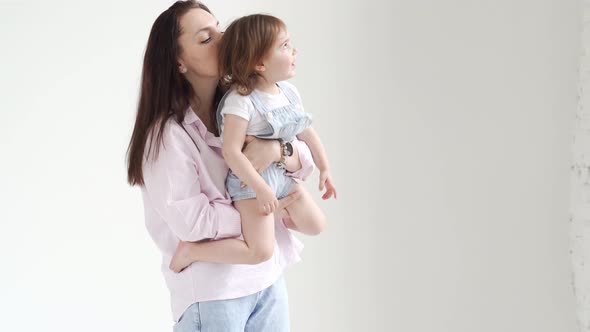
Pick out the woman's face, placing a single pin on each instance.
(199, 42)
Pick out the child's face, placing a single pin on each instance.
(279, 64)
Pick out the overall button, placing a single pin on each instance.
(269, 116)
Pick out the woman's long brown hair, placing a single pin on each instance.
(164, 91)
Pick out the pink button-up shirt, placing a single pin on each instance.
(185, 198)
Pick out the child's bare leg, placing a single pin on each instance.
(305, 214)
(257, 247)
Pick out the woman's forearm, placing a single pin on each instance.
(243, 169)
(293, 163)
(305, 158)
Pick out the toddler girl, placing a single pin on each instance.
(256, 57)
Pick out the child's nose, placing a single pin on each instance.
(294, 50)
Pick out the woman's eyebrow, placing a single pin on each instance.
(207, 28)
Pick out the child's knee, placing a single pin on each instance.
(317, 226)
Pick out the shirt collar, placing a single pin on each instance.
(191, 117)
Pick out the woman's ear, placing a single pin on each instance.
(182, 68)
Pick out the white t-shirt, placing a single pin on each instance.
(242, 106)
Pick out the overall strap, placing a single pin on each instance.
(289, 93)
(257, 102)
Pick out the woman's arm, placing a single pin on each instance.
(173, 188)
(301, 156)
(293, 163)
(262, 153)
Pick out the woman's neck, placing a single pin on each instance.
(202, 104)
(205, 94)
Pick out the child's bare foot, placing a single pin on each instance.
(180, 260)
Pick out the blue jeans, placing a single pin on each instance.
(265, 311)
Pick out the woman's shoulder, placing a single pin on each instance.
(166, 141)
(171, 130)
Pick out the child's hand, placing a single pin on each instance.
(327, 182)
(267, 201)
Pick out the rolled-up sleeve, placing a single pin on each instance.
(175, 191)
(305, 157)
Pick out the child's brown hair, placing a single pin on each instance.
(244, 45)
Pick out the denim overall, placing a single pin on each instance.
(283, 122)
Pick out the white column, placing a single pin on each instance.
(580, 181)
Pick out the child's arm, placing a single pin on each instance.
(234, 134)
(310, 136)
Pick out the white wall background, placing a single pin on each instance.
(580, 178)
(448, 124)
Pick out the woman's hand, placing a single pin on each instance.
(267, 201)
(261, 152)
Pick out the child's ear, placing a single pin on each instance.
(260, 68)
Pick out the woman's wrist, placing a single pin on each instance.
(277, 147)
(286, 152)
(293, 163)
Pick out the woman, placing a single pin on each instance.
(175, 156)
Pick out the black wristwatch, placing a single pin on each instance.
(286, 151)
